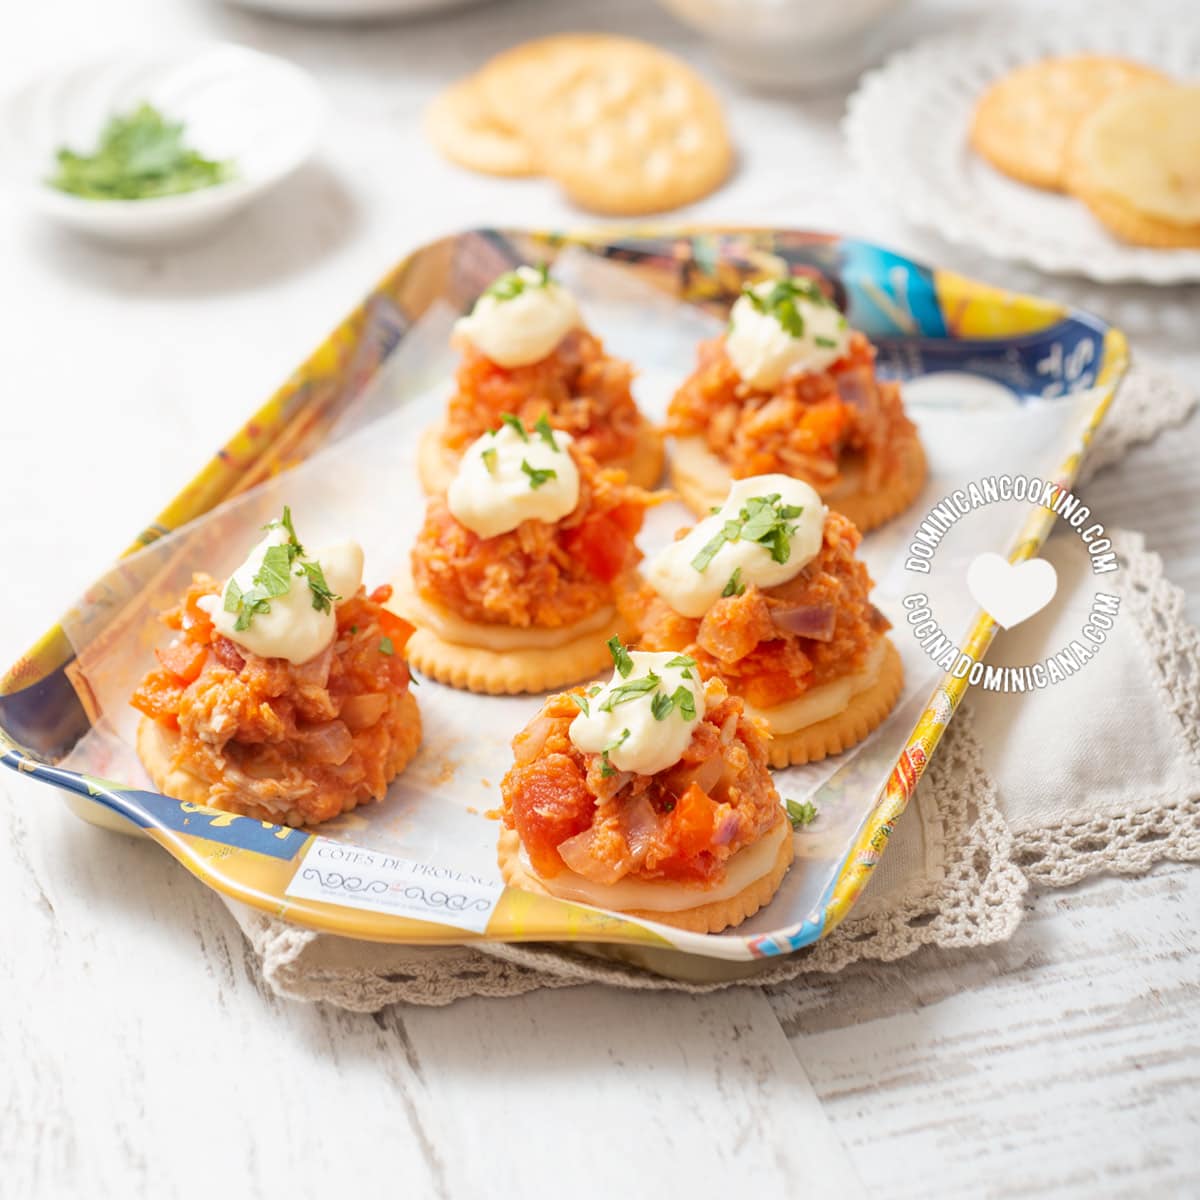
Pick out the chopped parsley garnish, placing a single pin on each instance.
(606, 768)
(683, 700)
(386, 646)
(826, 343)
(735, 586)
(489, 460)
(779, 301)
(683, 661)
(542, 425)
(538, 475)
(595, 690)
(322, 596)
(512, 283)
(141, 154)
(663, 705)
(274, 574)
(800, 814)
(624, 692)
(274, 579)
(620, 656)
(286, 522)
(762, 519)
(514, 423)
(580, 703)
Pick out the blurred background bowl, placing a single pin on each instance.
(349, 10)
(797, 45)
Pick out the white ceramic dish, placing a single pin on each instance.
(262, 113)
(348, 10)
(790, 46)
(907, 132)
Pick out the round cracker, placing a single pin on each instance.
(624, 128)
(512, 672)
(1024, 122)
(463, 128)
(437, 463)
(519, 83)
(703, 481)
(1133, 163)
(630, 131)
(158, 748)
(866, 710)
(710, 917)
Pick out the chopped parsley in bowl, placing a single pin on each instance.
(141, 155)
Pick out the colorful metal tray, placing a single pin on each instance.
(924, 322)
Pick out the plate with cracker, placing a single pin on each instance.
(1070, 144)
(416, 660)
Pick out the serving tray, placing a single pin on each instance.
(994, 380)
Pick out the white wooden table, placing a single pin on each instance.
(140, 1054)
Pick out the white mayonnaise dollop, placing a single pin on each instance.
(636, 739)
(524, 327)
(291, 627)
(503, 479)
(763, 351)
(692, 586)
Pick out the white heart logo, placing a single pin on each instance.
(1011, 592)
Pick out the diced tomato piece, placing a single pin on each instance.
(398, 629)
(382, 594)
(184, 659)
(629, 518)
(549, 802)
(602, 546)
(693, 822)
(197, 624)
(158, 696)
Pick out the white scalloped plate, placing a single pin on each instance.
(907, 132)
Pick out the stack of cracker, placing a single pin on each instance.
(1119, 136)
(622, 127)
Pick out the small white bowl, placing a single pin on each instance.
(795, 45)
(236, 104)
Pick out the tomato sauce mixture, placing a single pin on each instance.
(585, 392)
(297, 743)
(539, 574)
(806, 427)
(683, 824)
(771, 646)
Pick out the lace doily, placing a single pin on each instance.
(1147, 402)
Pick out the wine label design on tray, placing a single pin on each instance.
(355, 877)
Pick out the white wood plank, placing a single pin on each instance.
(1064, 1063)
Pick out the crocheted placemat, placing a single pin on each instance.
(979, 829)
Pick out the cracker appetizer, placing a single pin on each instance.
(766, 595)
(516, 569)
(284, 694)
(525, 350)
(648, 796)
(789, 388)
